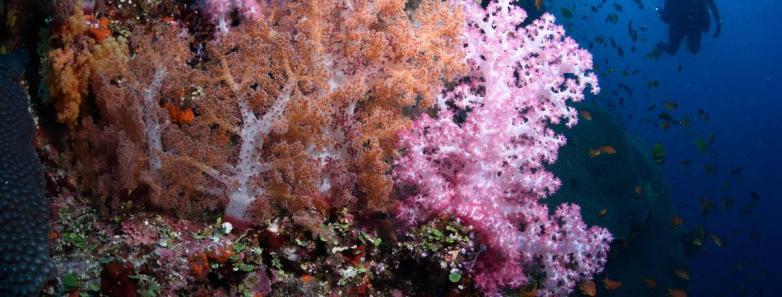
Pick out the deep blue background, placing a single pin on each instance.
(736, 80)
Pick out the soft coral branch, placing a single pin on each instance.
(489, 169)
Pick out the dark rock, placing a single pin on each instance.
(24, 214)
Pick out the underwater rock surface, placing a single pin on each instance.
(24, 224)
(624, 191)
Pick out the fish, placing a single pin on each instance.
(727, 202)
(665, 125)
(538, 4)
(703, 116)
(707, 205)
(676, 293)
(710, 168)
(736, 171)
(25, 265)
(717, 240)
(618, 7)
(697, 242)
(670, 105)
(650, 283)
(639, 189)
(686, 162)
(727, 186)
(658, 153)
(639, 3)
(681, 273)
(594, 153)
(665, 116)
(686, 123)
(585, 114)
(653, 84)
(610, 284)
(650, 107)
(677, 221)
(633, 33)
(626, 87)
(608, 150)
(754, 235)
(602, 213)
(679, 68)
(612, 18)
(755, 196)
(701, 145)
(747, 209)
(180, 116)
(588, 288)
(566, 13)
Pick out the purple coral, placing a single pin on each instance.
(219, 11)
(482, 159)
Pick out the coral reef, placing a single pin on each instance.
(303, 104)
(241, 147)
(481, 159)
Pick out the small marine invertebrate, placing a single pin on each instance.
(481, 159)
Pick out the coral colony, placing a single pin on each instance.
(487, 167)
(353, 134)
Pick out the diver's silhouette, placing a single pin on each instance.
(687, 18)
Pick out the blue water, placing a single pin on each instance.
(736, 80)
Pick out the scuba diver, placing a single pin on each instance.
(686, 18)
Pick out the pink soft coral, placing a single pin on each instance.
(489, 169)
(219, 11)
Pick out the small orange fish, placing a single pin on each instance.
(602, 213)
(585, 114)
(538, 4)
(650, 283)
(676, 221)
(607, 149)
(610, 284)
(639, 189)
(717, 240)
(670, 105)
(588, 288)
(681, 273)
(180, 116)
(593, 153)
(676, 293)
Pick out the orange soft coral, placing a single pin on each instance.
(296, 112)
